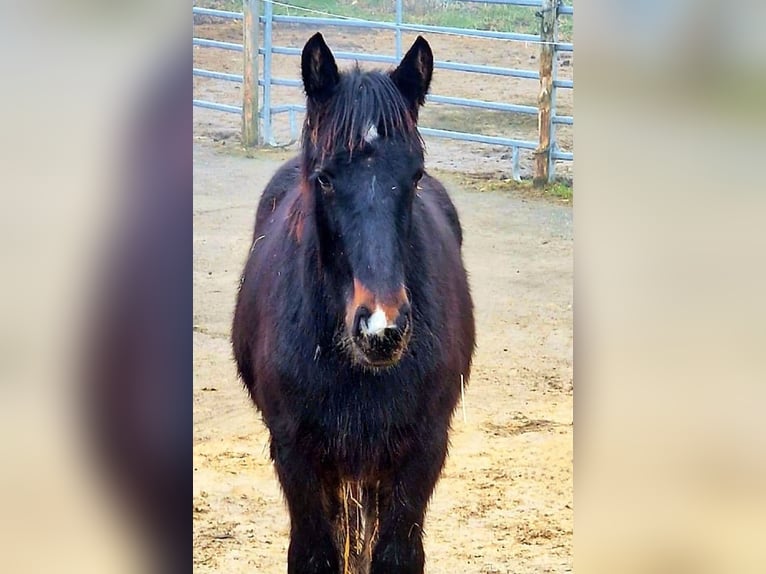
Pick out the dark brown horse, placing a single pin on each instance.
(354, 321)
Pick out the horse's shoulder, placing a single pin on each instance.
(436, 194)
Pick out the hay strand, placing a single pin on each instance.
(347, 542)
(462, 397)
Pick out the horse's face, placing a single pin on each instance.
(363, 192)
(364, 209)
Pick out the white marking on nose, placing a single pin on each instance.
(376, 324)
(371, 135)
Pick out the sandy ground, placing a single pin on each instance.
(504, 503)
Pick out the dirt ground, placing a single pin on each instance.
(504, 503)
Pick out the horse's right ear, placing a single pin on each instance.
(318, 68)
(413, 75)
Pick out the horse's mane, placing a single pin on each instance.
(361, 99)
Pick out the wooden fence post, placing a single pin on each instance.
(250, 118)
(545, 98)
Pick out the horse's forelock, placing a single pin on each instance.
(362, 100)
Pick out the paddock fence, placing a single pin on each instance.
(259, 108)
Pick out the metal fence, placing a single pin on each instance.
(257, 120)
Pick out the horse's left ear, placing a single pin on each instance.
(318, 68)
(413, 75)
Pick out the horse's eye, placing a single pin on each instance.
(324, 182)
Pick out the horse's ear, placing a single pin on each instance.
(318, 68)
(413, 76)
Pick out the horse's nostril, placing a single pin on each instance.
(360, 320)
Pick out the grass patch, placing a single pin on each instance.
(230, 5)
(559, 191)
(497, 18)
(452, 13)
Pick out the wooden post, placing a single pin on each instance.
(545, 98)
(250, 119)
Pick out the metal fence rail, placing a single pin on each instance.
(227, 15)
(266, 50)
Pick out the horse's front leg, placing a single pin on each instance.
(312, 503)
(403, 502)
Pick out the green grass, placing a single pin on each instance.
(443, 13)
(559, 190)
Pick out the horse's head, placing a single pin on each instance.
(362, 160)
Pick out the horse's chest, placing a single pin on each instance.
(364, 433)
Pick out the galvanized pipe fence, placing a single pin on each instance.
(257, 119)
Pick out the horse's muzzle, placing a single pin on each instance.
(381, 346)
(379, 327)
